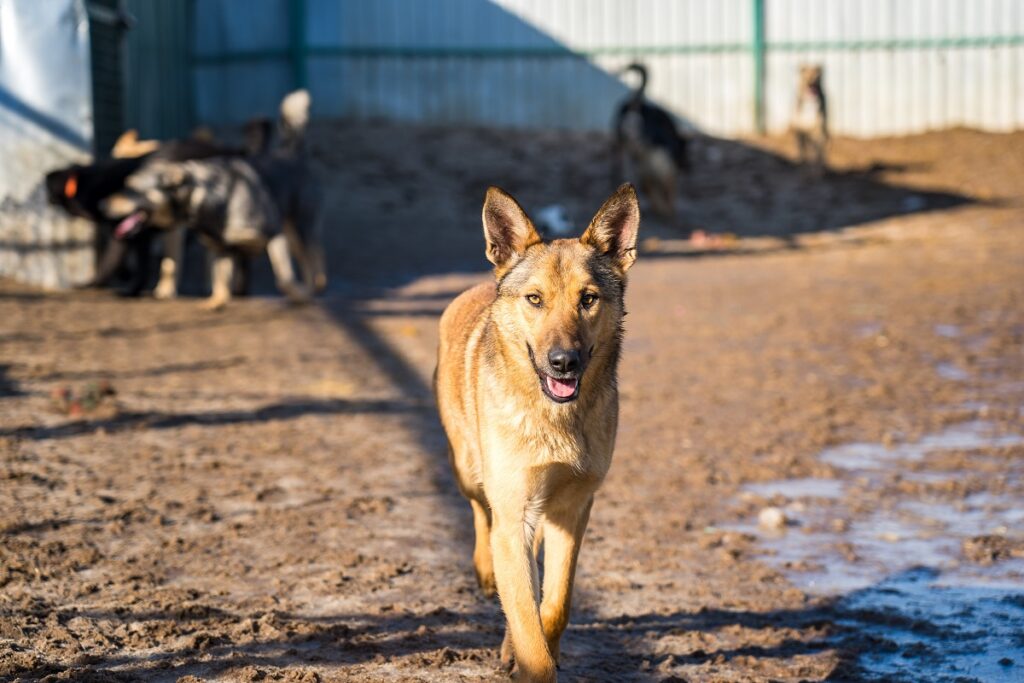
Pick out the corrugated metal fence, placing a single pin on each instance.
(726, 66)
(157, 69)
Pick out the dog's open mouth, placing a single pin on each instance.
(560, 390)
(130, 225)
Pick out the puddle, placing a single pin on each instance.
(952, 372)
(868, 329)
(908, 600)
(948, 331)
(797, 488)
(961, 437)
(919, 624)
(839, 547)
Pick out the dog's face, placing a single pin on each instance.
(560, 303)
(62, 189)
(154, 195)
(810, 77)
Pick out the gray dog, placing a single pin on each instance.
(239, 206)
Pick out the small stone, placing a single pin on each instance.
(772, 518)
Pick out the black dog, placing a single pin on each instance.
(80, 189)
(646, 136)
(238, 206)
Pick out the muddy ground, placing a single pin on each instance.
(265, 496)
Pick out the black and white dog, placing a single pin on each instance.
(646, 138)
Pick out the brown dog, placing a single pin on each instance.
(526, 388)
(810, 120)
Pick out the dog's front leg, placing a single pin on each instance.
(170, 264)
(564, 527)
(516, 575)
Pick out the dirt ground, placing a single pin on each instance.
(265, 495)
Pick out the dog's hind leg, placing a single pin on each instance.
(223, 270)
(483, 562)
(565, 527)
(297, 247)
(240, 279)
(281, 262)
(170, 264)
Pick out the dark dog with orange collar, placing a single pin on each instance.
(79, 189)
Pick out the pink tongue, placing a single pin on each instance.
(562, 388)
(128, 224)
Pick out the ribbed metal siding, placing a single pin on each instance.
(892, 66)
(107, 87)
(529, 62)
(901, 66)
(157, 74)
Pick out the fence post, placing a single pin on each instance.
(758, 49)
(297, 42)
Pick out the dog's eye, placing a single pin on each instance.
(588, 300)
(534, 299)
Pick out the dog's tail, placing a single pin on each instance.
(294, 118)
(641, 70)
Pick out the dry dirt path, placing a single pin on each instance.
(266, 496)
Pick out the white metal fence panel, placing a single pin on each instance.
(891, 66)
(901, 66)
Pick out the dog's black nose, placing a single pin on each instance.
(564, 360)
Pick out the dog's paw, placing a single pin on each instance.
(165, 291)
(487, 585)
(213, 304)
(296, 294)
(506, 656)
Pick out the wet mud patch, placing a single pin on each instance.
(923, 568)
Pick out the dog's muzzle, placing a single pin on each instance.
(560, 381)
(128, 212)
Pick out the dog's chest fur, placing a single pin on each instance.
(808, 114)
(517, 420)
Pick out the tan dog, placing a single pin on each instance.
(810, 120)
(526, 388)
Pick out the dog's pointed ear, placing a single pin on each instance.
(613, 230)
(508, 230)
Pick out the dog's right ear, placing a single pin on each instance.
(507, 229)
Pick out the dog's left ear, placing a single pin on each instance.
(613, 230)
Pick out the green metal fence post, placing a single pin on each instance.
(297, 48)
(758, 49)
(192, 113)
